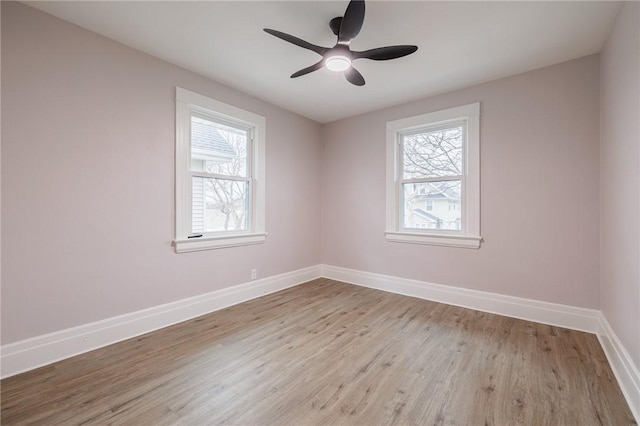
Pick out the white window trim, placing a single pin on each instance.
(469, 237)
(186, 102)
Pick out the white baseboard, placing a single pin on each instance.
(36, 352)
(581, 319)
(42, 350)
(622, 365)
(588, 320)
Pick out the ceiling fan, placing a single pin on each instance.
(340, 57)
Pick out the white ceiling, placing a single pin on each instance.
(460, 44)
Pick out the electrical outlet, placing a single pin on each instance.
(254, 274)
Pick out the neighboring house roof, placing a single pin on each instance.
(205, 137)
(426, 215)
(450, 192)
(433, 196)
(443, 192)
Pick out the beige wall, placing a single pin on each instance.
(620, 179)
(87, 181)
(539, 190)
(87, 185)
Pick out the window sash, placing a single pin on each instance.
(403, 134)
(401, 182)
(197, 112)
(469, 235)
(402, 211)
(189, 104)
(432, 127)
(216, 176)
(248, 224)
(249, 156)
(433, 179)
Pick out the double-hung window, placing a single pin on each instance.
(433, 178)
(219, 174)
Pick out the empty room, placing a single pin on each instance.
(320, 213)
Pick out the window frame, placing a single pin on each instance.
(188, 103)
(469, 235)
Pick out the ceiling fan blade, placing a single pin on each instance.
(351, 22)
(354, 77)
(298, 42)
(307, 70)
(386, 53)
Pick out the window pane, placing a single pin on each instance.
(217, 148)
(219, 205)
(433, 153)
(432, 205)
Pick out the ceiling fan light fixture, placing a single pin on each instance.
(339, 57)
(337, 63)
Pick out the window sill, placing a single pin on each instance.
(211, 243)
(463, 241)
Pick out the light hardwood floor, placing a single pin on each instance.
(330, 353)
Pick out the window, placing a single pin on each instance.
(219, 174)
(433, 178)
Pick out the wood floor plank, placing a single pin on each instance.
(327, 353)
